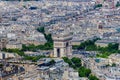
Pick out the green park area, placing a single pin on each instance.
(47, 46)
(32, 47)
(76, 64)
(104, 52)
(25, 57)
(88, 45)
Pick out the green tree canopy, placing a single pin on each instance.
(52, 62)
(98, 6)
(76, 61)
(92, 77)
(67, 60)
(118, 4)
(41, 29)
(84, 72)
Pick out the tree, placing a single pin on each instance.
(1, 65)
(113, 65)
(41, 29)
(113, 46)
(92, 77)
(24, 47)
(33, 58)
(118, 4)
(67, 60)
(76, 61)
(75, 47)
(52, 62)
(97, 6)
(30, 47)
(49, 38)
(19, 52)
(84, 72)
(88, 45)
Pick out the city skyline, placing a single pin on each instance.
(60, 40)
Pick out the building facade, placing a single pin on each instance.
(62, 45)
(3, 42)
